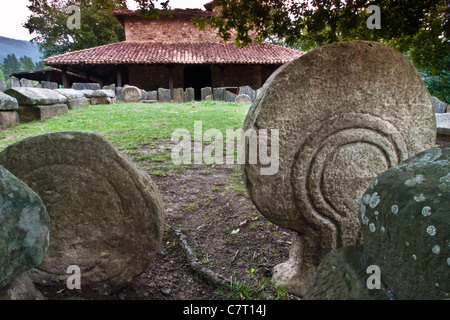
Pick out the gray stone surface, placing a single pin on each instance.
(350, 121)
(3, 86)
(36, 96)
(25, 83)
(219, 94)
(342, 275)
(443, 123)
(439, 106)
(205, 92)
(230, 96)
(24, 225)
(106, 213)
(143, 95)
(131, 94)
(88, 93)
(37, 112)
(8, 103)
(8, 119)
(405, 222)
(164, 95)
(49, 85)
(243, 99)
(86, 86)
(152, 95)
(14, 82)
(248, 91)
(75, 98)
(189, 94)
(178, 95)
(119, 96)
(104, 93)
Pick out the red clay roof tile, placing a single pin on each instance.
(180, 53)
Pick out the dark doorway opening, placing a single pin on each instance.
(197, 77)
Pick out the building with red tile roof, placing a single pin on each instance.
(171, 52)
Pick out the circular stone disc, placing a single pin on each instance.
(345, 113)
(106, 214)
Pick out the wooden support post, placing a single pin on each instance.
(119, 76)
(222, 76)
(64, 79)
(171, 81)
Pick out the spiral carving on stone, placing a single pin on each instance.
(339, 152)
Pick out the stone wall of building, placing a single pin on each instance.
(180, 30)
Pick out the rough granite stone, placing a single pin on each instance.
(24, 226)
(405, 221)
(345, 113)
(36, 96)
(131, 94)
(106, 214)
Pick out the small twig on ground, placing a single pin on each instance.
(196, 266)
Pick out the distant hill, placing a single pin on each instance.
(20, 48)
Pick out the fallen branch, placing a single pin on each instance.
(205, 273)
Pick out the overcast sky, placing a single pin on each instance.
(15, 12)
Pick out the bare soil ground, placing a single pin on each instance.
(210, 206)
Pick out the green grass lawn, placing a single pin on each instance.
(128, 125)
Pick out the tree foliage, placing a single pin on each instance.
(98, 26)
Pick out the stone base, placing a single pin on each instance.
(31, 113)
(149, 101)
(8, 119)
(77, 103)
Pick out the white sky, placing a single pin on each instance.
(14, 13)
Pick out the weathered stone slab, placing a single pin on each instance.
(349, 121)
(143, 95)
(248, 91)
(3, 86)
(131, 94)
(189, 94)
(49, 85)
(219, 94)
(164, 95)
(86, 86)
(8, 119)
(75, 98)
(439, 106)
(14, 82)
(243, 99)
(152, 95)
(405, 221)
(178, 95)
(106, 213)
(205, 92)
(7, 102)
(36, 96)
(230, 96)
(24, 223)
(25, 83)
(443, 123)
(37, 112)
(88, 93)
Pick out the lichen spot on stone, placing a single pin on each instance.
(431, 230)
(426, 211)
(366, 198)
(419, 198)
(416, 180)
(394, 209)
(372, 227)
(414, 257)
(436, 249)
(448, 261)
(374, 200)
